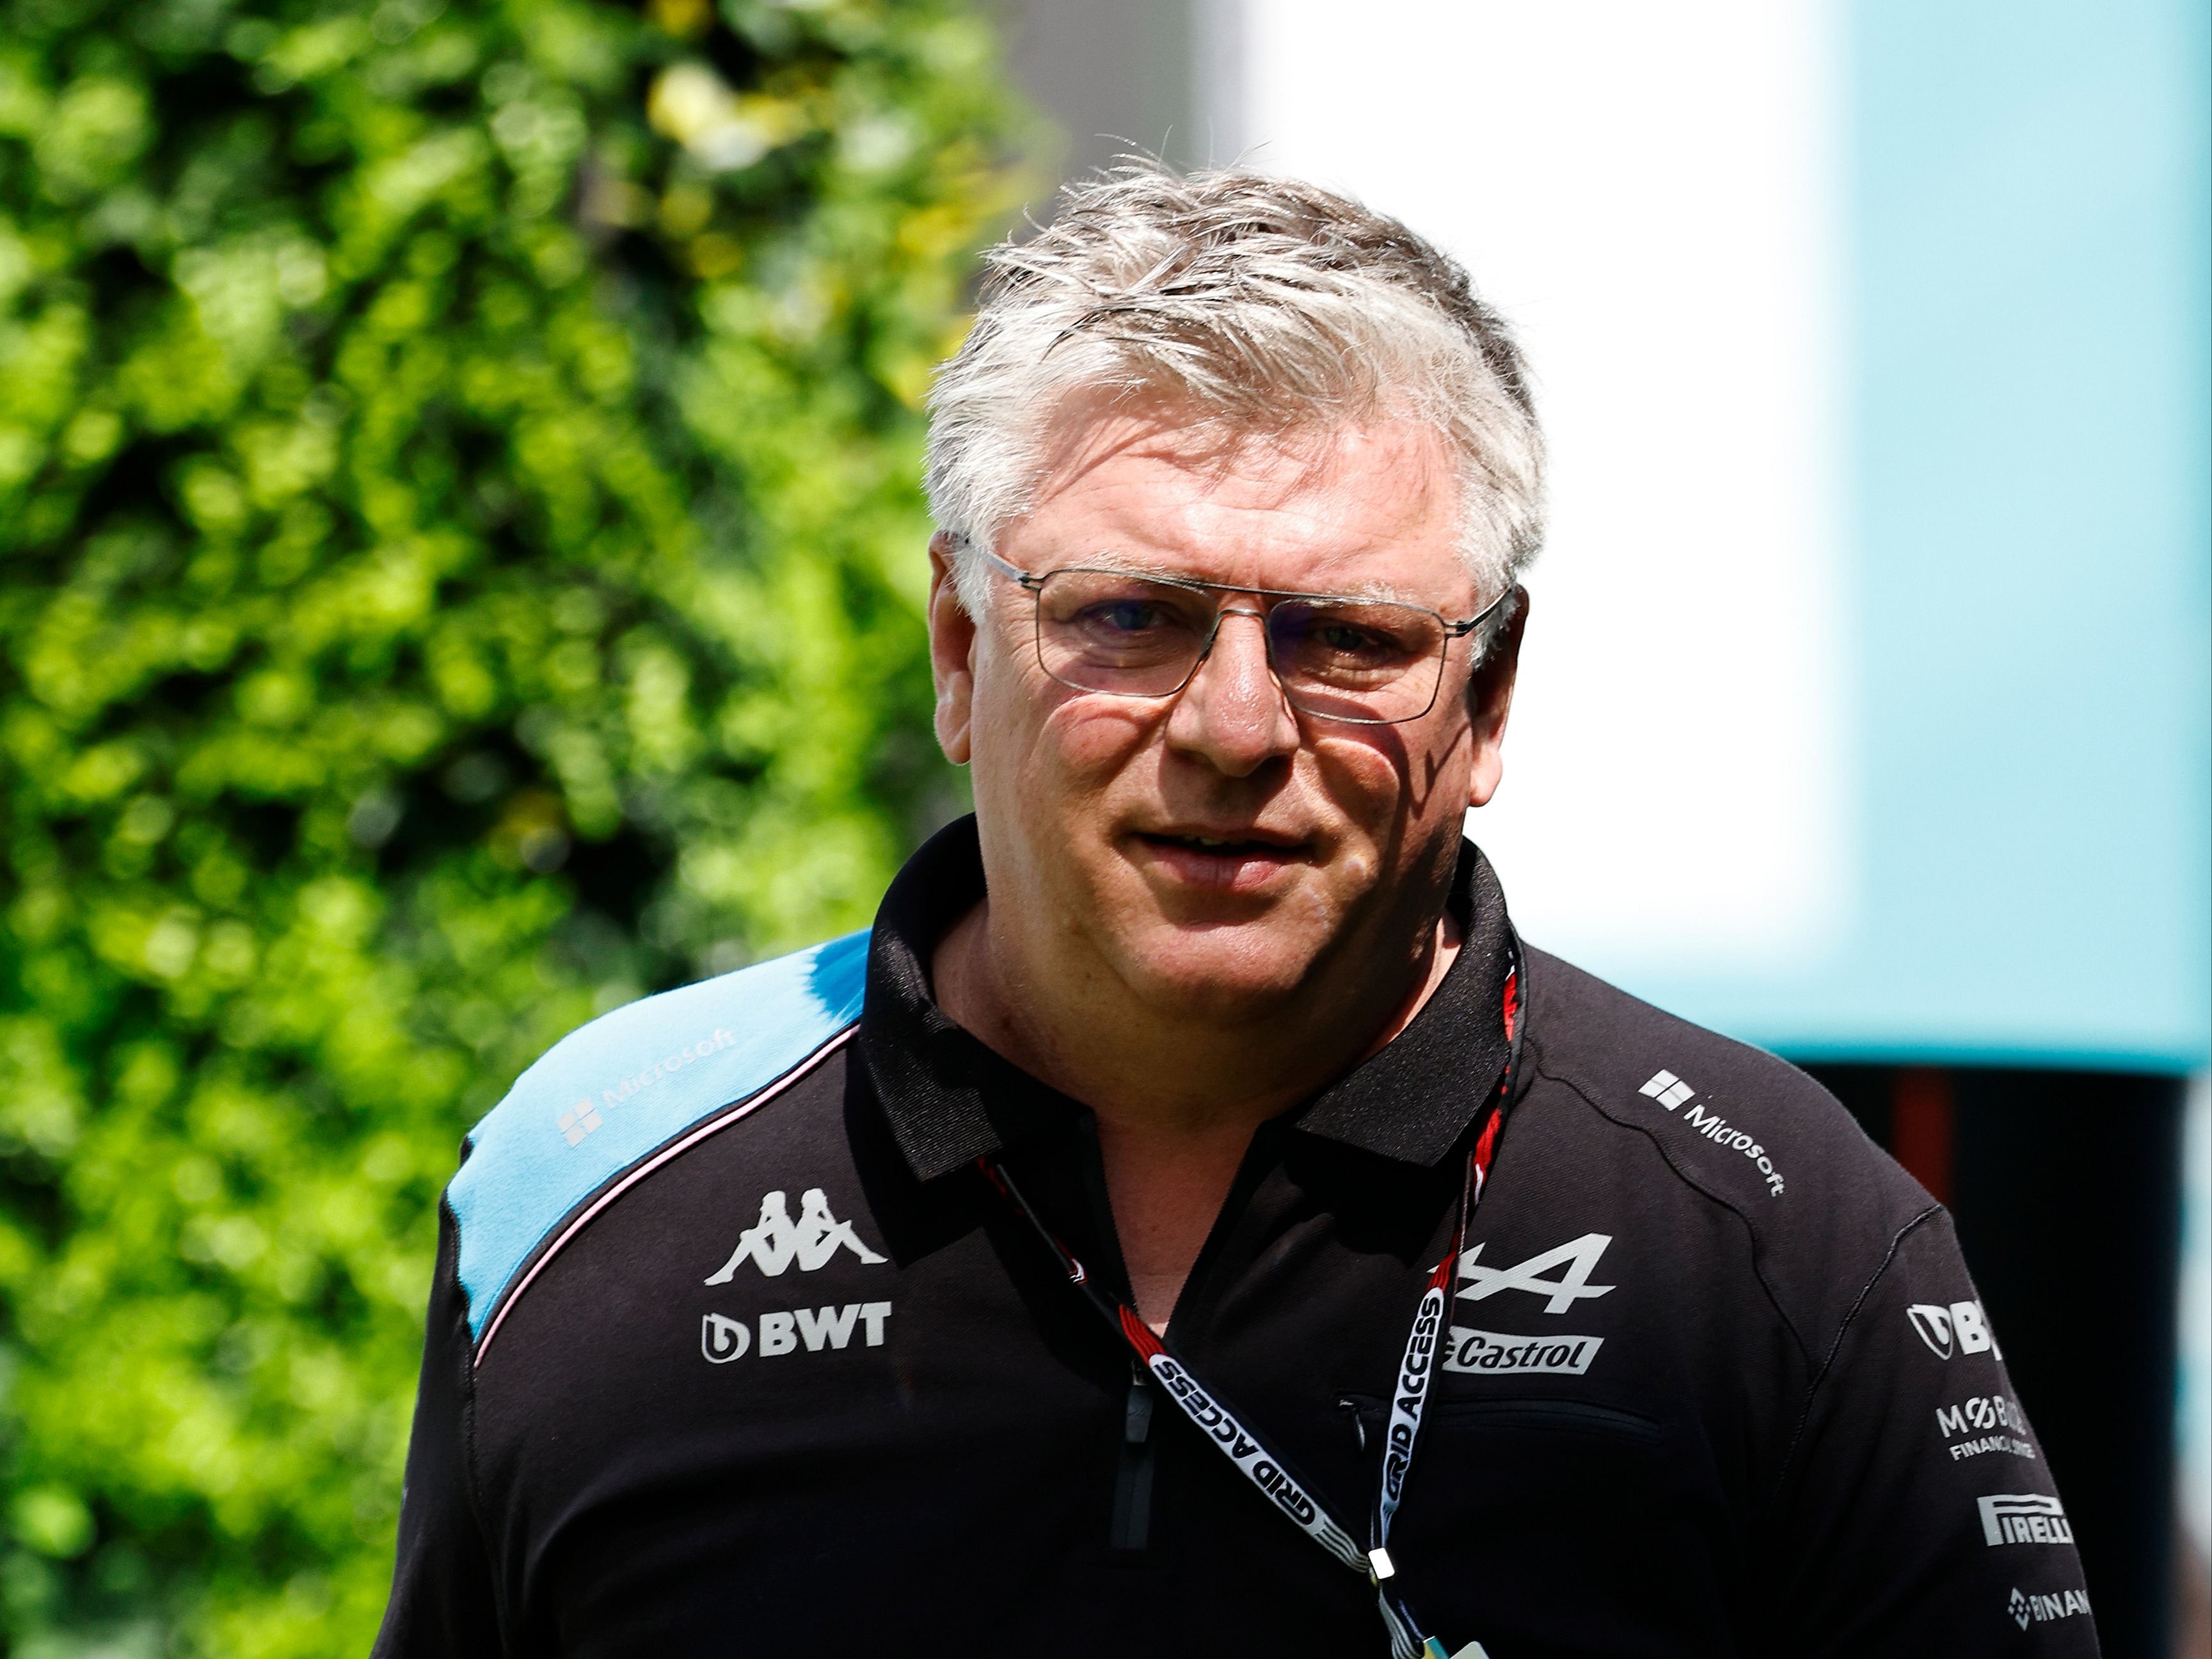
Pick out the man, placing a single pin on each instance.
(1191, 1220)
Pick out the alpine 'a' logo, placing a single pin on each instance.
(1576, 1259)
(776, 1240)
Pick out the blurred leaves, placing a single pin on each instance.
(460, 566)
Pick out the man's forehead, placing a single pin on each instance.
(1369, 508)
(1086, 438)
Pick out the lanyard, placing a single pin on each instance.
(1259, 1464)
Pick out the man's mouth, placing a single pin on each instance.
(1256, 843)
(1231, 859)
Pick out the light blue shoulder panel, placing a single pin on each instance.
(607, 1094)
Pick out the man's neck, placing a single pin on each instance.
(1177, 1100)
(1146, 1070)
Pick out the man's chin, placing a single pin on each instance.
(1223, 974)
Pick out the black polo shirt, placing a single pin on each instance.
(732, 1350)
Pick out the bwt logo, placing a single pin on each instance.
(722, 1340)
(1962, 1326)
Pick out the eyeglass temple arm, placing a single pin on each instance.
(1460, 630)
(1031, 582)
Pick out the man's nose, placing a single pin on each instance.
(1232, 713)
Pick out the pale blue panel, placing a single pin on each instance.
(646, 1073)
(2030, 205)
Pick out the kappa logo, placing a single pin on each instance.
(1577, 1258)
(776, 1240)
(2023, 1518)
(1961, 1327)
(2041, 1609)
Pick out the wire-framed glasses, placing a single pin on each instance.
(1125, 633)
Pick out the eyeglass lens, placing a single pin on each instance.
(1130, 636)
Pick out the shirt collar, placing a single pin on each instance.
(951, 1100)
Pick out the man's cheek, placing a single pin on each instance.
(1364, 782)
(1354, 869)
(1087, 742)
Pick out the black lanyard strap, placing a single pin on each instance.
(1267, 1469)
(1262, 1467)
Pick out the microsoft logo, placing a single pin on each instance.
(1669, 1090)
(578, 1121)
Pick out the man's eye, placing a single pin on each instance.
(1346, 640)
(1127, 616)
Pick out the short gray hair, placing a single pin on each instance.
(1265, 303)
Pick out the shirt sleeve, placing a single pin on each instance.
(1919, 1516)
(443, 1604)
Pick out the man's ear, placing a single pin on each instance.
(952, 653)
(1490, 700)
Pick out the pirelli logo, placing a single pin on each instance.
(2023, 1518)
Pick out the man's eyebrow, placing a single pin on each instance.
(1107, 559)
(1385, 592)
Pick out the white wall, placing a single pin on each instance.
(1649, 193)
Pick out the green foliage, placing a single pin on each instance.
(460, 563)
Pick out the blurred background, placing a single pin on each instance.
(461, 560)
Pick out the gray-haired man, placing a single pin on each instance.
(1191, 1219)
